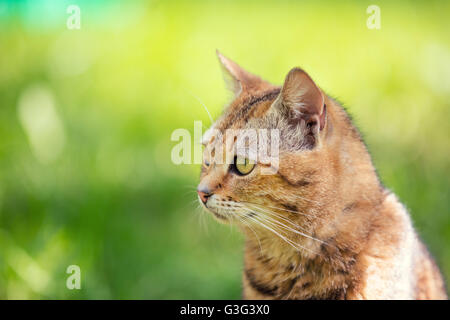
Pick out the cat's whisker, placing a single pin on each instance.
(296, 246)
(242, 219)
(282, 225)
(285, 238)
(264, 213)
(275, 214)
(191, 205)
(204, 106)
(195, 203)
(286, 210)
(201, 218)
(278, 224)
(305, 199)
(261, 223)
(190, 193)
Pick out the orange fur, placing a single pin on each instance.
(345, 235)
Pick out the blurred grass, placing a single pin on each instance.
(113, 203)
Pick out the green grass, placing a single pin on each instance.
(113, 203)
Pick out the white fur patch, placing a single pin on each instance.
(390, 274)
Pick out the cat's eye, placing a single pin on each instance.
(243, 165)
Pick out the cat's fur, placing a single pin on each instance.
(345, 235)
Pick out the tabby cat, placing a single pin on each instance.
(322, 226)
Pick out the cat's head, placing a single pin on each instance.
(236, 189)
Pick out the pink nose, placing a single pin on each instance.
(203, 196)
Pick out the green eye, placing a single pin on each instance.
(243, 165)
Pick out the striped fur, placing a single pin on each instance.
(323, 226)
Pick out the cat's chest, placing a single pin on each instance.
(264, 278)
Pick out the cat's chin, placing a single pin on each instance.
(222, 218)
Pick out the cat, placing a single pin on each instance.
(322, 226)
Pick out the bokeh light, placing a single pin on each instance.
(86, 118)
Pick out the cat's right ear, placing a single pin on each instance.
(236, 78)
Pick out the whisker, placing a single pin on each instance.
(290, 228)
(274, 225)
(242, 219)
(282, 225)
(294, 245)
(204, 106)
(278, 215)
(201, 218)
(293, 230)
(305, 199)
(287, 210)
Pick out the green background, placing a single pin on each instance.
(86, 117)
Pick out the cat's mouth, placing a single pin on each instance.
(220, 216)
(210, 207)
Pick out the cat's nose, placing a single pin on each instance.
(204, 194)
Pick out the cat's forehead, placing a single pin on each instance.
(246, 110)
(237, 130)
(240, 115)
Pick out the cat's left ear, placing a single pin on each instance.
(238, 79)
(303, 102)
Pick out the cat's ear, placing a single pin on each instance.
(238, 79)
(302, 101)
